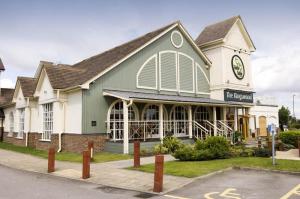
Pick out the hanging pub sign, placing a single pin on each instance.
(238, 96)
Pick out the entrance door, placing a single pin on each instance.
(263, 126)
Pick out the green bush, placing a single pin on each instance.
(172, 143)
(160, 149)
(262, 152)
(239, 151)
(211, 148)
(218, 146)
(237, 137)
(290, 137)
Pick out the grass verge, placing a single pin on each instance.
(198, 168)
(65, 156)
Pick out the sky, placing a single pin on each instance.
(70, 31)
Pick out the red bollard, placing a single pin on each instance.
(51, 160)
(91, 149)
(136, 152)
(86, 164)
(159, 173)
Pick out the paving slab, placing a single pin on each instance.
(110, 173)
(292, 154)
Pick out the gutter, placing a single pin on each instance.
(64, 122)
(29, 126)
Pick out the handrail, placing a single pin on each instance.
(198, 127)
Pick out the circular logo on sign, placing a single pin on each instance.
(238, 67)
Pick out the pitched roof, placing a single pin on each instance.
(1, 65)
(6, 96)
(216, 31)
(27, 85)
(65, 76)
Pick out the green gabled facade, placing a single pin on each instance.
(193, 77)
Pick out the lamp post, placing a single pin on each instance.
(294, 105)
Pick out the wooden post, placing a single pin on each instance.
(159, 173)
(51, 160)
(91, 149)
(136, 151)
(86, 164)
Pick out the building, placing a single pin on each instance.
(162, 83)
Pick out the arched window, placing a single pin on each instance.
(11, 123)
(179, 118)
(116, 119)
(151, 112)
(201, 114)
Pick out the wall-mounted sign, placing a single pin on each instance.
(238, 67)
(238, 96)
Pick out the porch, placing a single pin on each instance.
(150, 120)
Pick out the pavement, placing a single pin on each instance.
(292, 154)
(241, 184)
(111, 174)
(19, 184)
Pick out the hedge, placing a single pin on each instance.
(290, 137)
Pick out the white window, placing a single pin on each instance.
(179, 117)
(47, 121)
(201, 114)
(11, 123)
(21, 122)
(116, 119)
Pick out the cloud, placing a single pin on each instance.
(7, 83)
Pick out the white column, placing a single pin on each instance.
(125, 130)
(235, 119)
(190, 121)
(161, 122)
(215, 120)
(224, 114)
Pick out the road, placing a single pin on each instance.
(234, 184)
(16, 184)
(241, 184)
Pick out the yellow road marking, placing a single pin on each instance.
(229, 194)
(294, 191)
(176, 197)
(207, 196)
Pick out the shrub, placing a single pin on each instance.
(160, 149)
(290, 137)
(172, 144)
(238, 151)
(262, 152)
(146, 152)
(218, 146)
(211, 148)
(237, 137)
(185, 153)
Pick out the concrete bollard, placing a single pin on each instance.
(137, 160)
(91, 149)
(86, 158)
(159, 173)
(51, 160)
(259, 144)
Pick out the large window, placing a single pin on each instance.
(11, 123)
(201, 114)
(21, 122)
(179, 117)
(116, 119)
(47, 121)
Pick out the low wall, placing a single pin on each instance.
(70, 142)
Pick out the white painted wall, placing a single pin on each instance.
(74, 112)
(6, 120)
(270, 112)
(221, 74)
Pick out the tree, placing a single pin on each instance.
(284, 115)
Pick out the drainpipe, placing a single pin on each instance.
(63, 130)
(29, 126)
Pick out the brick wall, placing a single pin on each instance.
(70, 142)
(78, 142)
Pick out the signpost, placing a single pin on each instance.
(272, 129)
